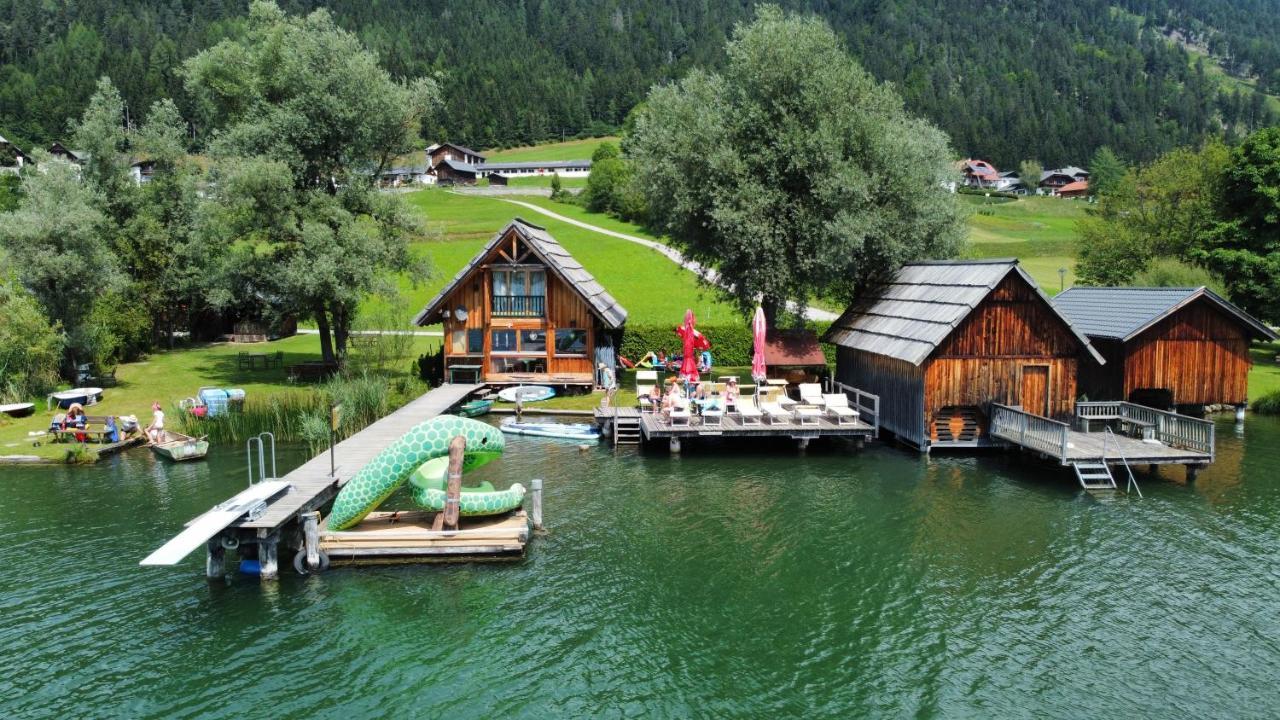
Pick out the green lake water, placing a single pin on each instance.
(734, 581)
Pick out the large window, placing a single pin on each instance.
(519, 293)
(533, 341)
(571, 342)
(503, 341)
(466, 342)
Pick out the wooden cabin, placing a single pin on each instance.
(453, 172)
(1164, 346)
(940, 341)
(456, 153)
(524, 311)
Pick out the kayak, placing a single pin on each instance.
(475, 408)
(526, 393)
(569, 431)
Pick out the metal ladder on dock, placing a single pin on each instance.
(1096, 474)
(626, 430)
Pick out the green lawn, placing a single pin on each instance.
(168, 377)
(543, 181)
(651, 287)
(1039, 231)
(1264, 378)
(567, 150)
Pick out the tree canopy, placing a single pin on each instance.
(793, 171)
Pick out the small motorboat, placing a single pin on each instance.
(568, 431)
(178, 447)
(526, 393)
(475, 408)
(18, 410)
(84, 396)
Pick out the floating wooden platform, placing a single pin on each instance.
(407, 536)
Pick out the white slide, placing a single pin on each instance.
(212, 523)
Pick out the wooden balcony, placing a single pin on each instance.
(531, 306)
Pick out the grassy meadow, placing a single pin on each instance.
(1039, 231)
(567, 150)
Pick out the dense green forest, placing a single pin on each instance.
(1006, 80)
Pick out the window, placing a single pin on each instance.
(503, 341)
(571, 342)
(457, 342)
(533, 341)
(475, 341)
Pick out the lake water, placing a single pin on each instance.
(729, 582)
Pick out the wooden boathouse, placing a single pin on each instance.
(524, 311)
(941, 342)
(1164, 347)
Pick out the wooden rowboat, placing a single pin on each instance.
(475, 408)
(178, 447)
(18, 410)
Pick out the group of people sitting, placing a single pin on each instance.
(671, 363)
(702, 396)
(76, 420)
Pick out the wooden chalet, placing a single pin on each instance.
(456, 153)
(524, 311)
(61, 152)
(941, 341)
(1164, 346)
(12, 159)
(453, 172)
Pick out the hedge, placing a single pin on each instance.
(731, 345)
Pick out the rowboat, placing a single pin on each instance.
(526, 393)
(475, 408)
(568, 431)
(178, 447)
(84, 396)
(18, 409)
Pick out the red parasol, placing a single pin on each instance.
(758, 371)
(693, 343)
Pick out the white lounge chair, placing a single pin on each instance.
(644, 398)
(811, 394)
(680, 416)
(775, 412)
(712, 417)
(749, 413)
(808, 415)
(838, 408)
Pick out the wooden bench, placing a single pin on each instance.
(1148, 430)
(89, 430)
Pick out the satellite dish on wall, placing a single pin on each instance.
(460, 313)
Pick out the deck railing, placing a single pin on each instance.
(867, 404)
(1170, 428)
(1029, 430)
(519, 305)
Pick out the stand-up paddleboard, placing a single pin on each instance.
(526, 393)
(214, 521)
(570, 431)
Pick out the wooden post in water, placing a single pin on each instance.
(213, 563)
(448, 519)
(268, 563)
(311, 538)
(1192, 471)
(535, 502)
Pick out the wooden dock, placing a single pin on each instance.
(654, 426)
(385, 537)
(1164, 438)
(312, 485)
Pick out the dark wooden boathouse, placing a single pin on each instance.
(1164, 346)
(941, 341)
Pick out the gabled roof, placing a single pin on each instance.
(455, 165)
(1070, 171)
(558, 261)
(1076, 186)
(534, 165)
(456, 146)
(909, 316)
(1122, 313)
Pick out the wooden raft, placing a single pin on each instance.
(407, 536)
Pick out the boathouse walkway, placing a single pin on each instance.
(312, 485)
(1167, 437)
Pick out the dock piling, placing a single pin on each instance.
(311, 539)
(214, 569)
(268, 558)
(535, 502)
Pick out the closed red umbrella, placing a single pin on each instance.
(758, 371)
(693, 343)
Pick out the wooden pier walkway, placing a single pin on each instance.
(1164, 438)
(312, 485)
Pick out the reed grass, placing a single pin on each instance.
(1268, 404)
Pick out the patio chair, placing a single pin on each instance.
(680, 415)
(838, 408)
(243, 361)
(749, 413)
(808, 415)
(644, 398)
(775, 412)
(712, 417)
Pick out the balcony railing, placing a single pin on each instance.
(519, 305)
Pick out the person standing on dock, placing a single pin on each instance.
(608, 383)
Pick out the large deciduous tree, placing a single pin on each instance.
(793, 171)
(304, 116)
(1244, 246)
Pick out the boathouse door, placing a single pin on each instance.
(1035, 389)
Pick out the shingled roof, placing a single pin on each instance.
(909, 316)
(1121, 313)
(558, 261)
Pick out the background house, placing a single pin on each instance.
(1164, 346)
(454, 172)
(456, 153)
(940, 341)
(979, 173)
(524, 311)
(12, 159)
(75, 157)
(1053, 180)
(563, 168)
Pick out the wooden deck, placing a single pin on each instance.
(312, 486)
(1178, 440)
(655, 426)
(399, 536)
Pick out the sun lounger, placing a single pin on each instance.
(838, 408)
(811, 394)
(646, 378)
(680, 416)
(643, 397)
(749, 413)
(712, 417)
(808, 415)
(775, 412)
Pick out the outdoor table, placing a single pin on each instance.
(473, 369)
(255, 358)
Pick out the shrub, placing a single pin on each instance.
(987, 193)
(731, 345)
(1268, 404)
(30, 347)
